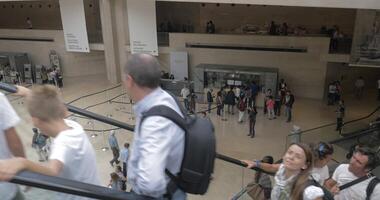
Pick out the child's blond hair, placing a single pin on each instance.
(45, 103)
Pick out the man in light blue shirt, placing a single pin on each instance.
(114, 145)
(158, 142)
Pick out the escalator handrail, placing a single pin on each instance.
(62, 185)
(355, 134)
(365, 117)
(334, 123)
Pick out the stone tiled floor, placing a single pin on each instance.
(271, 135)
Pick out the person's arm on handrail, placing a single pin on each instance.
(264, 166)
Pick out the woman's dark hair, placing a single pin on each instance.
(322, 150)
(352, 150)
(266, 159)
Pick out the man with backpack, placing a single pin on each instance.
(157, 155)
(354, 180)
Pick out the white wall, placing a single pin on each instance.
(73, 64)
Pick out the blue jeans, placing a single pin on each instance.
(209, 107)
(186, 102)
(288, 112)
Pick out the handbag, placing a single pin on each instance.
(256, 192)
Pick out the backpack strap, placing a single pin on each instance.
(356, 181)
(166, 112)
(371, 187)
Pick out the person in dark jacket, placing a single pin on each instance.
(252, 113)
(277, 104)
(340, 115)
(210, 100)
(289, 101)
(230, 101)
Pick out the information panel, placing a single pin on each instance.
(74, 25)
(142, 26)
(179, 65)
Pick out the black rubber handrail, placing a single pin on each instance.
(355, 134)
(95, 93)
(71, 187)
(334, 123)
(365, 117)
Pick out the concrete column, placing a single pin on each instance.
(122, 32)
(109, 41)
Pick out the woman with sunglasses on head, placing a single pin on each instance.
(322, 155)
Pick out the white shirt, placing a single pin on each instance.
(73, 148)
(320, 174)
(185, 92)
(237, 92)
(8, 119)
(332, 89)
(358, 191)
(158, 145)
(359, 83)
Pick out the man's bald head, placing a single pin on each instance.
(144, 69)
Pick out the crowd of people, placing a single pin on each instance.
(244, 100)
(52, 76)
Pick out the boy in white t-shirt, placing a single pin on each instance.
(10, 145)
(72, 156)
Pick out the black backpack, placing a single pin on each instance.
(199, 154)
(371, 186)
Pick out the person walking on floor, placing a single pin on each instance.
(185, 93)
(124, 154)
(242, 106)
(359, 87)
(230, 101)
(340, 115)
(193, 102)
(252, 112)
(283, 87)
(210, 100)
(270, 108)
(268, 93)
(219, 104)
(277, 104)
(289, 101)
(114, 145)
